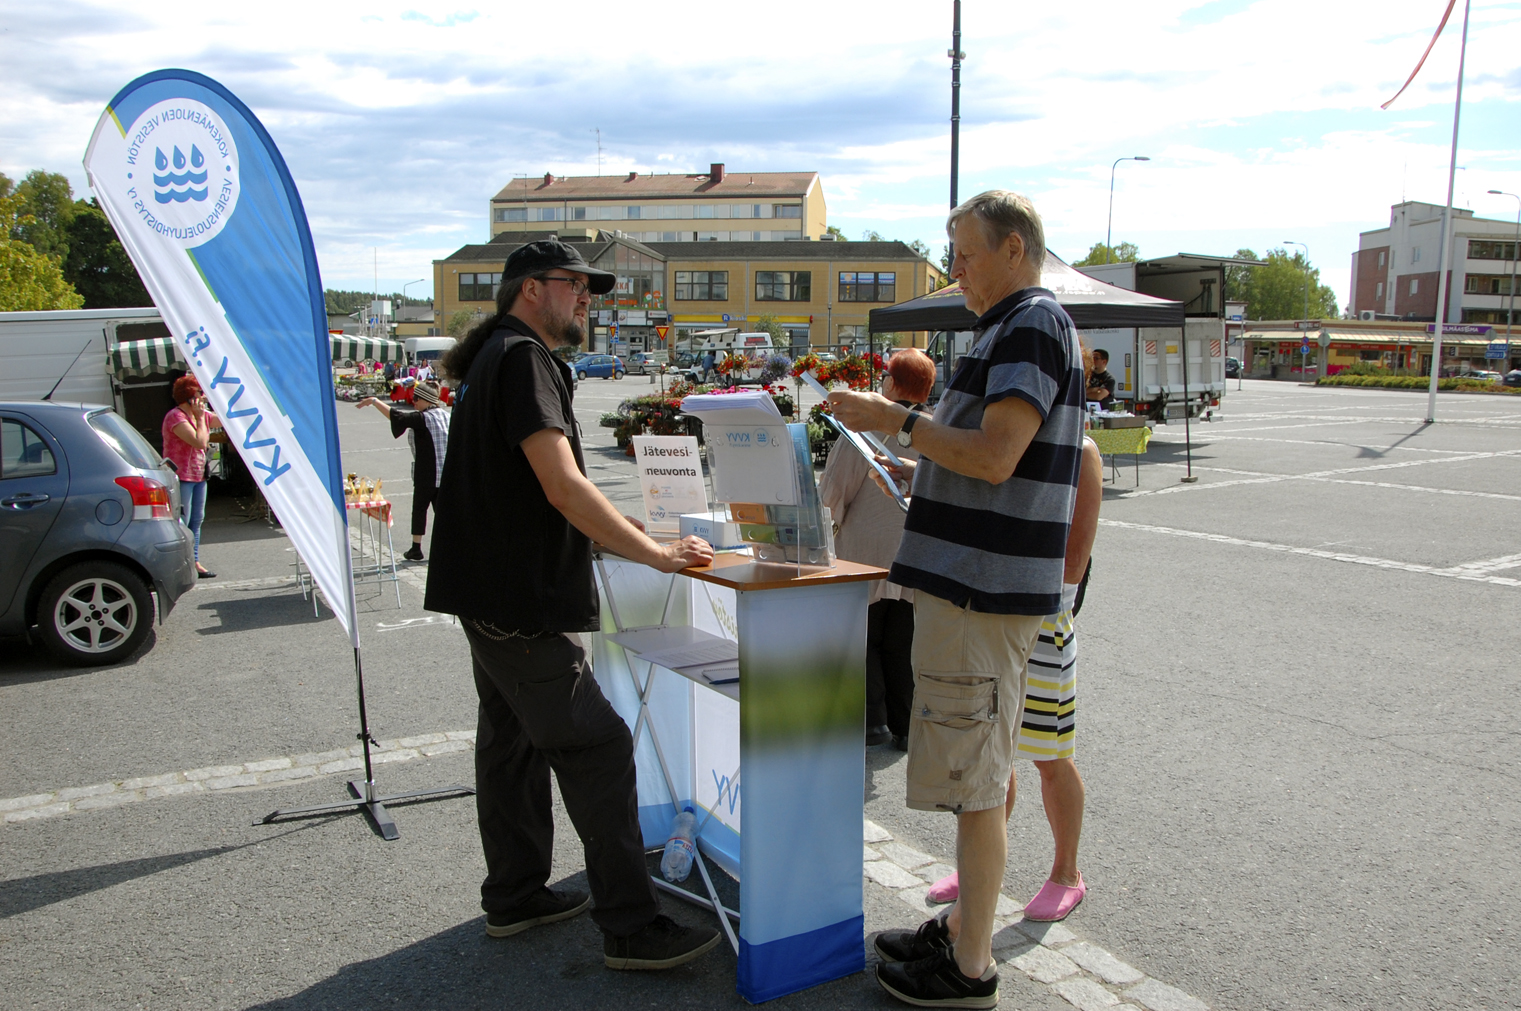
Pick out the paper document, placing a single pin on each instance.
(747, 407)
(860, 445)
(678, 646)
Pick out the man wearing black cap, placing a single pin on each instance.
(514, 523)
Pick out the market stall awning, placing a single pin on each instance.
(141, 358)
(1091, 303)
(361, 349)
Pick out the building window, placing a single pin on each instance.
(866, 286)
(632, 213)
(740, 211)
(1415, 285)
(1378, 290)
(578, 214)
(1479, 249)
(512, 214)
(478, 287)
(787, 210)
(1415, 254)
(784, 285)
(1380, 259)
(1487, 284)
(704, 210)
(702, 285)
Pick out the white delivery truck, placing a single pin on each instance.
(427, 349)
(755, 347)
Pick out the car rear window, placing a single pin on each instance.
(122, 437)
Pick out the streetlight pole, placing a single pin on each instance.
(1303, 359)
(956, 56)
(1515, 256)
(1109, 232)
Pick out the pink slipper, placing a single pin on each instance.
(1054, 901)
(947, 889)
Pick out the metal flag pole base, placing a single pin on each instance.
(366, 801)
(364, 792)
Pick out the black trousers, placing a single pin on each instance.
(423, 495)
(541, 710)
(889, 667)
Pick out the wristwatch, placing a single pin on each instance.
(905, 434)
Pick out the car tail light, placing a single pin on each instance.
(1214, 402)
(150, 498)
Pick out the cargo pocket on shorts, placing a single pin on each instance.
(958, 751)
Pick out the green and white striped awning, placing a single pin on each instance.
(162, 354)
(141, 358)
(366, 349)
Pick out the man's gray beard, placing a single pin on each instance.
(564, 329)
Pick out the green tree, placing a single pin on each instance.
(29, 281)
(1100, 254)
(838, 235)
(1277, 290)
(872, 235)
(6, 185)
(47, 200)
(97, 265)
(921, 247)
(768, 323)
(459, 323)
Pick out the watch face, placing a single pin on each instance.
(905, 439)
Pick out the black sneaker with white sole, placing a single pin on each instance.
(937, 981)
(545, 906)
(663, 944)
(911, 945)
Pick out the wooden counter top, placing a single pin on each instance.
(741, 572)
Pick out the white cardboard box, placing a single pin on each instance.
(714, 528)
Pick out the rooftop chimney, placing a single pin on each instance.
(631, 177)
(717, 172)
(549, 178)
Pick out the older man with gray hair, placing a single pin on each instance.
(983, 545)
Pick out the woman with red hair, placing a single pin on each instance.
(187, 433)
(870, 527)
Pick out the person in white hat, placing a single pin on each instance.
(427, 428)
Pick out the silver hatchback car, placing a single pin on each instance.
(89, 527)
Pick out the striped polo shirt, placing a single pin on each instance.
(1001, 546)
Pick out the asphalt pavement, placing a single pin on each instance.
(1279, 663)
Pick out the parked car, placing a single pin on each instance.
(1232, 368)
(643, 363)
(1512, 378)
(89, 527)
(599, 366)
(1484, 375)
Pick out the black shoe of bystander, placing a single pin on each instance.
(546, 906)
(936, 981)
(663, 944)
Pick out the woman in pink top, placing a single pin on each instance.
(187, 433)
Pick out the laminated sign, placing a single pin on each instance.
(205, 207)
(670, 475)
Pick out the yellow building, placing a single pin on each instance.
(820, 292)
(717, 205)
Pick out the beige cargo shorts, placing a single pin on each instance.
(969, 695)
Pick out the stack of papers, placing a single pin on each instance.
(748, 407)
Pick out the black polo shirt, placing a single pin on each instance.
(501, 552)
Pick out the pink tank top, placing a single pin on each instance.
(190, 461)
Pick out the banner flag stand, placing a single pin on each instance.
(206, 209)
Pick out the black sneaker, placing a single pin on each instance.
(911, 945)
(937, 982)
(545, 907)
(413, 554)
(900, 742)
(878, 735)
(663, 944)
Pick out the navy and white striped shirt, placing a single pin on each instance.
(1001, 547)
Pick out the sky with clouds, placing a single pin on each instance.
(400, 120)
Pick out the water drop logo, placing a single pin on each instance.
(181, 171)
(182, 184)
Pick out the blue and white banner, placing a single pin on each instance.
(203, 203)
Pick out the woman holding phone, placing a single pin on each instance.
(187, 433)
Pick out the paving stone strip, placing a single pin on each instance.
(1083, 974)
(262, 772)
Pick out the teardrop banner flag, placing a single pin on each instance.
(203, 203)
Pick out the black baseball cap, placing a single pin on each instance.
(547, 254)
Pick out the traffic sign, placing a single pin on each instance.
(661, 331)
(1497, 349)
(726, 317)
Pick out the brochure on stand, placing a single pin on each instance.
(748, 446)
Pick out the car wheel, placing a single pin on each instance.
(617, 375)
(94, 613)
(581, 375)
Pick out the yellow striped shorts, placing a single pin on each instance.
(1048, 730)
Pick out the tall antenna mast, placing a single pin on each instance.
(598, 131)
(956, 56)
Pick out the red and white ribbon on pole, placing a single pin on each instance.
(1429, 46)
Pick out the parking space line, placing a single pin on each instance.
(1462, 492)
(1275, 478)
(1478, 574)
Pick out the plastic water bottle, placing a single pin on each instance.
(676, 864)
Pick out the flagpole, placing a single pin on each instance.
(1447, 231)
